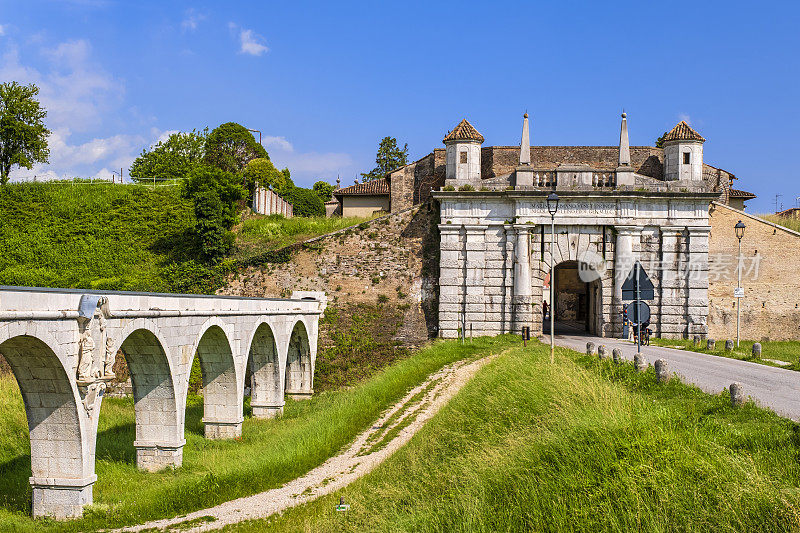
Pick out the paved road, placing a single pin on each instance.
(775, 388)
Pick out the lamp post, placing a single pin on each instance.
(552, 207)
(739, 229)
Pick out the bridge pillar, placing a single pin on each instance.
(61, 498)
(152, 456)
(222, 430)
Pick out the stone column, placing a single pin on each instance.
(451, 268)
(61, 498)
(474, 283)
(523, 295)
(624, 259)
(697, 280)
(671, 311)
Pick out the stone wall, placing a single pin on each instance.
(411, 184)
(771, 263)
(391, 259)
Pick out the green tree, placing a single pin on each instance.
(23, 135)
(660, 140)
(231, 146)
(305, 203)
(262, 172)
(324, 190)
(215, 194)
(388, 158)
(172, 159)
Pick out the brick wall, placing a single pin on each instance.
(771, 263)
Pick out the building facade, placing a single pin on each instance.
(496, 246)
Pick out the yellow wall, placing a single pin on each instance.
(363, 206)
(770, 278)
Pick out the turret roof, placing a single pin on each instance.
(683, 132)
(463, 132)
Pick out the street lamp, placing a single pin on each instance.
(739, 229)
(552, 207)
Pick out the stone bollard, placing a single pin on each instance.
(639, 362)
(601, 351)
(589, 348)
(728, 345)
(737, 394)
(696, 340)
(616, 353)
(662, 372)
(710, 344)
(756, 349)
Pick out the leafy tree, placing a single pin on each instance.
(215, 194)
(288, 184)
(23, 135)
(172, 159)
(261, 171)
(660, 140)
(231, 146)
(305, 203)
(388, 158)
(324, 190)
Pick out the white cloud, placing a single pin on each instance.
(2, 30)
(251, 42)
(306, 166)
(191, 19)
(685, 117)
(279, 142)
(75, 92)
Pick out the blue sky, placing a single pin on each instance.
(325, 81)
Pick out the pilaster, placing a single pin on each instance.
(523, 295)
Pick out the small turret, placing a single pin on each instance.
(463, 153)
(683, 154)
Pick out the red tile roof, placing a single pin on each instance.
(736, 193)
(377, 187)
(683, 132)
(463, 132)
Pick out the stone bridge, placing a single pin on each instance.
(61, 345)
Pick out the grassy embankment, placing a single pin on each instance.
(581, 445)
(788, 351)
(126, 237)
(270, 452)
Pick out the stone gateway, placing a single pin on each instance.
(496, 247)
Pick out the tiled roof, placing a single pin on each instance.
(736, 193)
(683, 132)
(463, 132)
(369, 188)
(332, 202)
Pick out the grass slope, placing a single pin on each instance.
(269, 453)
(90, 236)
(581, 445)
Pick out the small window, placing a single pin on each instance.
(463, 157)
(686, 156)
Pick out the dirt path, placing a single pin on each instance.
(392, 430)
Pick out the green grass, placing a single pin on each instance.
(275, 231)
(788, 351)
(91, 236)
(270, 452)
(127, 237)
(791, 223)
(581, 445)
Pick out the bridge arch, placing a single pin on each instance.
(264, 363)
(61, 458)
(299, 363)
(159, 423)
(222, 401)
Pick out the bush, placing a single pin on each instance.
(449, 188)
(215, 194)
(466, 187)
(306, 203)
